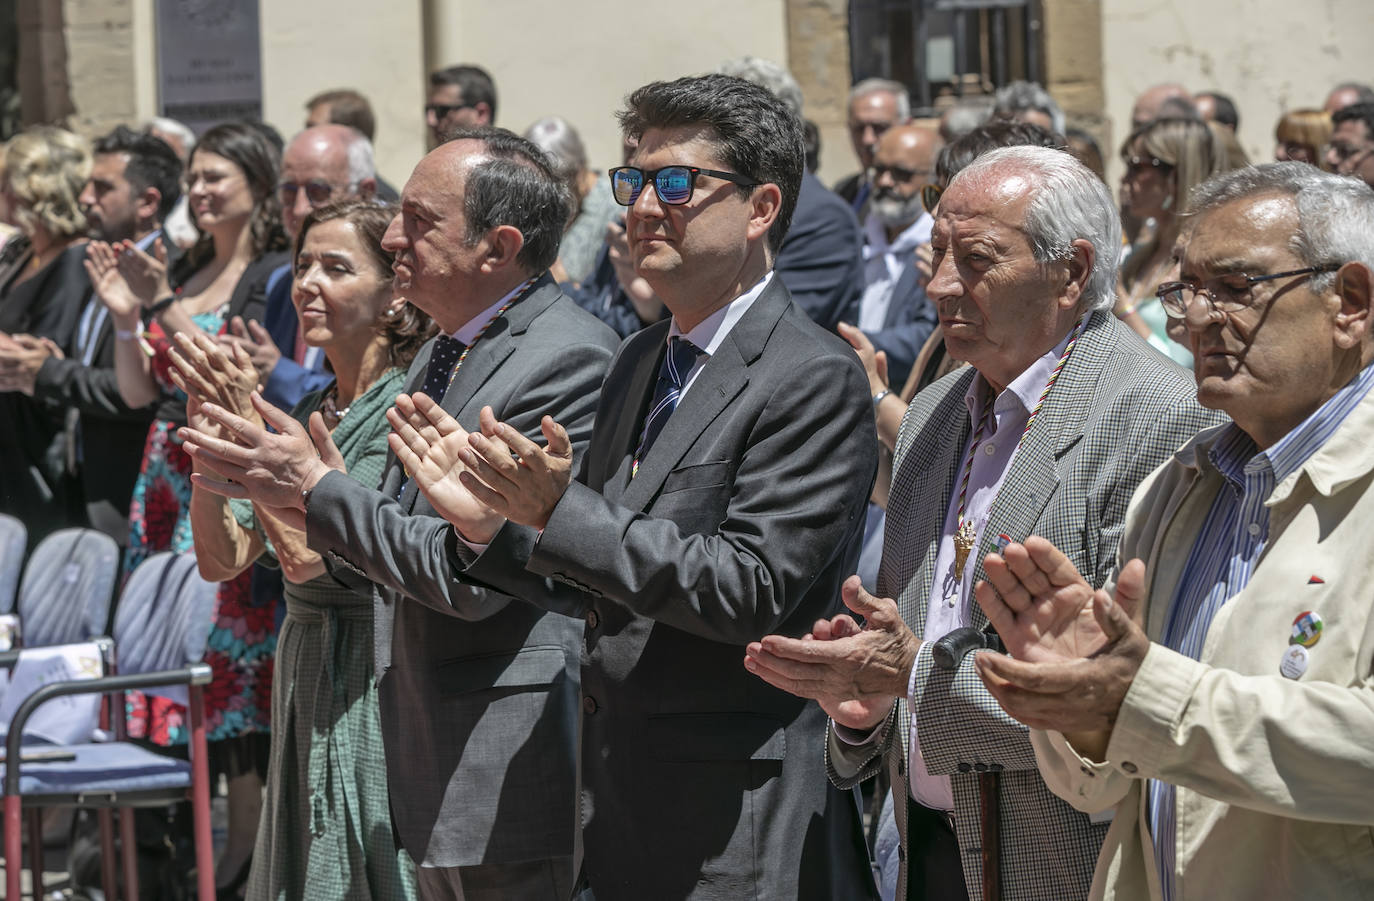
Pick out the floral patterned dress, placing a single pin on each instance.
(243, 638)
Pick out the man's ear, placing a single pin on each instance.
(1078, 269)
(1353, 287)
(503, 244)
(766, 201)
(146, 206)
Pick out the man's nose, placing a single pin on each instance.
(393, 238)
(647, 204)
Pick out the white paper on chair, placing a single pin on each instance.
(63, 720)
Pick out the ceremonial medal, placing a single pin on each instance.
(963, 544)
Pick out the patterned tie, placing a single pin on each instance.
(441, 362)
(677, 362)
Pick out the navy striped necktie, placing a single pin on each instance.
(677, 363)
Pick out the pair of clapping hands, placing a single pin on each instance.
(1073, 651)
(475, 480)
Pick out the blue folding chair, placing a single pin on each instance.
(161, 626)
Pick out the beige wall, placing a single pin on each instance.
(579, 60)
(1270, 58)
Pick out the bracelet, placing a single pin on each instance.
(878, 398)
(123, 335)
(159, 305)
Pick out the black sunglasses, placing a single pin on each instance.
(317, 191)
(440, 110)
(672, 184)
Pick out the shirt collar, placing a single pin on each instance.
(709, 334)
(1292, 450)
(469, 331)
(907, 239)
(1024, 390)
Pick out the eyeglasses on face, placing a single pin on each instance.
(672, 184)
(1138, 164)
(317, 191)
(441, 110)
(1228, 294)
(897, 173)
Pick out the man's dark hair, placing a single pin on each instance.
(517, 187)
(992, 134)
(1359, 112)
(152, 163)
(1225, 107)
(473, 82)
(346, 107)
(758, 136)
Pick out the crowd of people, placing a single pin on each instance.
(603, 534)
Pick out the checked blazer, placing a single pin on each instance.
(1119, 409)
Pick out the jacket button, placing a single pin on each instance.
(965, 768)
(592, 619)
(1129, 767)
(588, 704)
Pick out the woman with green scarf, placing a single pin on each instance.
(325, 831)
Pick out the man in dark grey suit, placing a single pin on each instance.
(479, 696)
(1060, 414)
(720, 498)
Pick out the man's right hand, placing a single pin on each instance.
(427, 440)
(254, 340)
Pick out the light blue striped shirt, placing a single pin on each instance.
(1225, 553)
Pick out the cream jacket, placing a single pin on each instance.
(1275, 776)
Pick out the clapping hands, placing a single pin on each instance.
(125, 278)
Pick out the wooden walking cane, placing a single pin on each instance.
(947, 654)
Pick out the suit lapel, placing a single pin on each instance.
(719, 382)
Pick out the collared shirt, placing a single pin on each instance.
(950, 592)
(93, 317)
(884, 263)
(468, 331)
(709, 334)
(1224, 554)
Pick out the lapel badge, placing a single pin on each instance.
(1002, 542)
(1316, 580)
(1307, 629)
(1294, 662)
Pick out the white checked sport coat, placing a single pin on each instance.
(1117, 411)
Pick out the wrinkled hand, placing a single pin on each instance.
(523, 488)
(1040, 605)
(257, 344)
(1079, 697)
(875, 362)
(427, 442)
(111, 285)
(273, 469)
(854, 673)
(20, 360)
(207, 371)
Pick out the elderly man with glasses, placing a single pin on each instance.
(1218, 695)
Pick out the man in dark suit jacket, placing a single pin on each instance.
(479, 694)
(135, 181)
(694, 527)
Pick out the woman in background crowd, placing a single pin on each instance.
(1165, 159)
(42, 290)
(232, 192)
(1301, 134)
(326, 828)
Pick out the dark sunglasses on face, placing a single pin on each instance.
(317, 191)
(440, 110)
(1138, 164)
(672, 184)
(897, 173)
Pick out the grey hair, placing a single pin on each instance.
(361, 163)
(1335, 212)
(561, 144)
(182, 131)
(1068, 203)
(965, 115)
(1027, 95)
(895, 88)
(770, 76)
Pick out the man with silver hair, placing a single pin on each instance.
(1026, 101)
(1218, 694)
(875, 105)
(1060, 414)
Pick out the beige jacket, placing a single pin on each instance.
(1275, 776)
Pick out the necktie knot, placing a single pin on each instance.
(681, 357)
(672, 375)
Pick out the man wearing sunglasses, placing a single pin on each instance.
(1230, 718)
(721, 498)
(461, 96)
(1351, 151)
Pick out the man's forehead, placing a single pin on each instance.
(109, 165)
(687, 145)
(876, 105)
(988, 201)
(1245, 232)
(907, 145)
(311, 155)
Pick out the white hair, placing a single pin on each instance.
(362, 165)
(561, 144)
(770, 76)
(1068, 203)
(180, 130)
(1027, 95)
(875, 85)
(1335, 212)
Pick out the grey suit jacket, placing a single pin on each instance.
(700, 780)
(478, 695)
(1119, 409)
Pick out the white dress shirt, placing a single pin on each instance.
(884, 263)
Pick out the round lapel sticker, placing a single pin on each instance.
(1294, 662)
(1307, 629)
